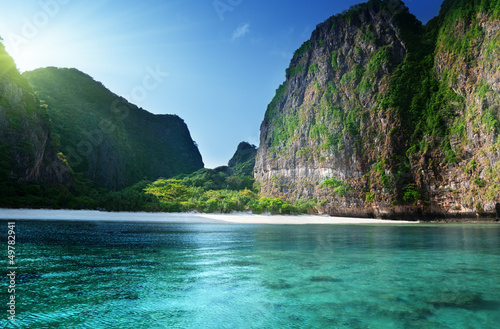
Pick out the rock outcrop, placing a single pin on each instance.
(243, 161)
(381, 116)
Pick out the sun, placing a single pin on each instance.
(32, 53)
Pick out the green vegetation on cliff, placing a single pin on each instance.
(111, 141)
(378, 113)
(28, 150)
(59, 152)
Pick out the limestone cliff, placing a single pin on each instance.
(467, 60)
(111, 141)
(28, 150)
(243, 160)
(381, 116)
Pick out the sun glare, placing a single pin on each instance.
(41, 51)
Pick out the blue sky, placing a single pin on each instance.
(218, 62)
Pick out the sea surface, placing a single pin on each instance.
(98, 274)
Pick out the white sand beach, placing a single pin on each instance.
(296, 220)
(195, 218)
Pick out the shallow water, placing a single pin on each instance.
(152, 275)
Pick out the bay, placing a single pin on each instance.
(99, 274)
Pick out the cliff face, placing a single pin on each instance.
(114, 143)
(28, 151)
(467, 60)
(381, 116)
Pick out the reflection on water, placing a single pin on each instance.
(139, 275)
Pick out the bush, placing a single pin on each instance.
(313, 68)
(339, 188)
(411, 194)
(479, 182)
(304, 206)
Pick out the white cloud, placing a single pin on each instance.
(240, 31)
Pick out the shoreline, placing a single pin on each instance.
(186, 218)
(216, 218)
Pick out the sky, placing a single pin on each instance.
(214, 63)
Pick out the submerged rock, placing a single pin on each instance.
(324, 278)
(459, 299)
(278, 284)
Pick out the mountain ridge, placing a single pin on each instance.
(113, 142)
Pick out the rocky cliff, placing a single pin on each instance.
(381, 116)
(111, 141)
(243, 161)
(28, 151)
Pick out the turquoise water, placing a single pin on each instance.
(139, 275)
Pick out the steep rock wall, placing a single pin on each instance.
(380, 116)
